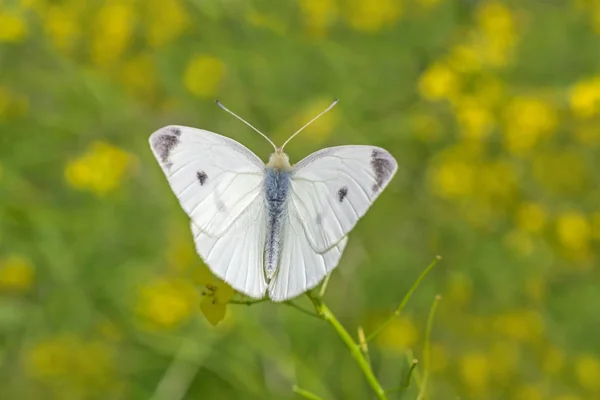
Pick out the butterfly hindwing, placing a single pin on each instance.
(332, 189)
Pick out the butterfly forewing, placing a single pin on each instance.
(219, 184)
(332, 189)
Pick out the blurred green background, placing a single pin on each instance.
(492, 109)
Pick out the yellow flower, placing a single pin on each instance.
(138, 76)
(215, 295)
(167, 303)
(474, 369)
(203, 75)
(474, 119)
(16, 274)
(166, 20)
(459, 288)
(520, 242)
(400, 334)
(372, 16)
(505, 356)
(584, 97)
(527, 121)
(61, 25)
(496, 182)
(587, 372)
(529, 392)
(574, 231)
(100, 169)
(438, 82)
(12, 27)
(73, 367)
(553, 361)
(112, 31)
(464, 58)
(439, 357)
(498, 32)
(267, 22)
(319, 15)
(521, 325)
(531, 217)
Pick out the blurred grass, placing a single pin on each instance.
(492, 109)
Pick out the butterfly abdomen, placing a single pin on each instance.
(276, 192)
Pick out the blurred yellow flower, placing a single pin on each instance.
(453, 179)
(529, 392)
(595, 223)
(573, 230)
(12, 27)
(16, 273)
(439, 357)
(266, 21)
(549, 169)
(138, 76)
(498, 32)
(372, 16)
(400, 334)
(181, 251)
(100, 169)
(474, 119)
(531, 217)
(165, 21)
(553, 361)
(527, 121)
(520, 242)
(75, 367)
(215, 295)
(203, 75)
(61, 25)
(505, 356)
(496, 182)
(584, 97)
(438, 82)
(587, 372)
(464, 58)
(112, 31)
(319, 15)
(167, 303)
(459, 289)
(428, 3)
(474, 368)
(522, 325)
(567, 397)
(588, 135)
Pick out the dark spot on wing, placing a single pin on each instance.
(176, 131)
(382, 167)
(163, 145)
(202, 177)
(342, 193)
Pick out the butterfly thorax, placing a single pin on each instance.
(279, 160)
(276, 194)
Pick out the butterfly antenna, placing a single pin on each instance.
(311, 121)
(246, 122)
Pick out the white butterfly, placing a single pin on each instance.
(272, 227)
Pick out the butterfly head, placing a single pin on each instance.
(279, 160)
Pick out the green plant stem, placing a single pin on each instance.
(354, 348)
(248, 302)
(407, 297)
(301, 309)
(427, 349)
(305, 393)
(406, 379)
